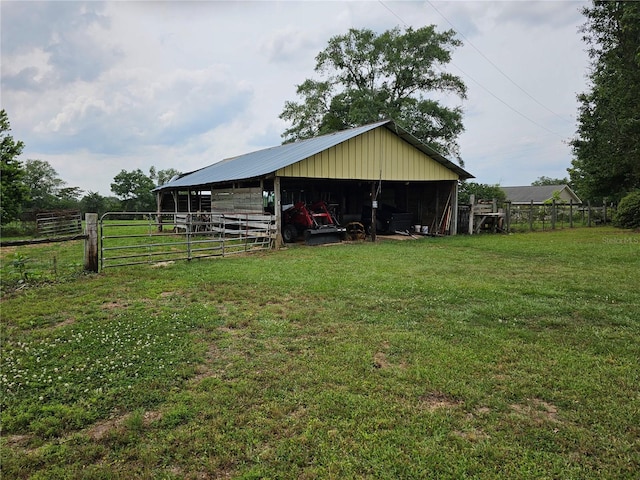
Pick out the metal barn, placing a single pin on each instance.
(379, 165)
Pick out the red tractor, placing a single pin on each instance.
(315, 221)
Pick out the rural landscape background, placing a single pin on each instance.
(490, 356)
(510, 356)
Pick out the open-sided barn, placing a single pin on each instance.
(347, 170)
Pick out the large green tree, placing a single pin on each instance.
(162, 176)
(606, 148)
(482, 191)
(134, 189)
(367, 77)
(43, 184)
(12, 189)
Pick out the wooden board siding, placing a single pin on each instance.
(363, 157)
(237, 200)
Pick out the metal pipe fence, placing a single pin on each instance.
(131, 238)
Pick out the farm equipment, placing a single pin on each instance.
(389, 219)
(315, 221)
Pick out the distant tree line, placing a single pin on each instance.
(33, 186)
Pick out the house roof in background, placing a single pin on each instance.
(263, 162)
(539, 194)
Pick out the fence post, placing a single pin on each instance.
(588, 213)
(571, 213)
(531, 216)
(554, 213)
(472, 201)
(91, 242)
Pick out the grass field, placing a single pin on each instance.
(468, 357)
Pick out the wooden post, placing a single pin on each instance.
(374, 207)
(507, 219)
(604, 210)
(277, 210)
(472, 202)
(159, 210)
(454, 209)
(531, 216)
(554, 213)
(588, 213)
(91, 242)
(571, 213)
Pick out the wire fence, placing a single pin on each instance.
(529, 217)
(556, 215)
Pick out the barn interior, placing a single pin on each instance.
(429, 204)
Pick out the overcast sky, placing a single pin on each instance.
(97, 87)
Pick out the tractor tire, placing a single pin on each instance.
(289, 233)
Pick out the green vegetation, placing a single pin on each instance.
(468, 357)
(606, 145)
(628, 213)
(367, 77)
(12, 190)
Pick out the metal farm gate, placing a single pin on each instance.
(130, 238)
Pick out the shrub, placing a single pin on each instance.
(628, 214)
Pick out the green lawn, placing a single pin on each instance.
(468, 357)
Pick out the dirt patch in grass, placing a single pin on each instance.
(163, 264)
(151, 416)
(204, 370)
(473, 435)
(537, 410)
(436, 400)
(18, 440)
(113, 305)
(101, 429)
(380, 360)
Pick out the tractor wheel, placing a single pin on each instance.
(289, 233)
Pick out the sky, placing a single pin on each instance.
(95, 88)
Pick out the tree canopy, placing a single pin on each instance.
(162, 176)
(482, 191)
(134, 189)
(606, 148)
(12, 188)
(368, 77)
(549, 181)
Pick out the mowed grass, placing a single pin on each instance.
(469, 357)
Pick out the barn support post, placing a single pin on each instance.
(277, 210)
(374, 208)
(454, 209)
(91, 242)
(159, 210)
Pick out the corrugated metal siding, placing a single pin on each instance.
(364, 156)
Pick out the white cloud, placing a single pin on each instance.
(95, 88)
